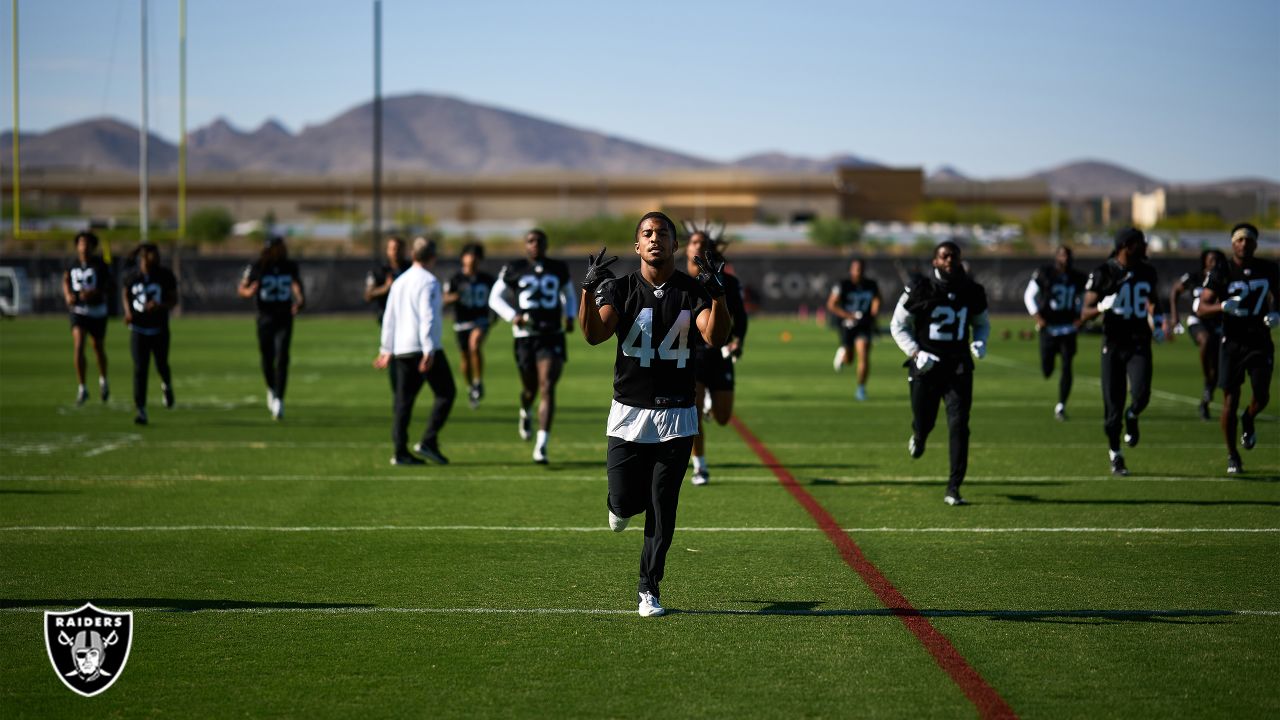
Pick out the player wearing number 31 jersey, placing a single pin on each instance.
(653, 419)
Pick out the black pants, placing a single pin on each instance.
(1118, 364)
(143, 348)
(951, 382)
(408, 381)
(645, 478)
(274, 335)
(1050, 348)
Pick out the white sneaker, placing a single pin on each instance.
(838, 363)
(525, 431)
(271, 400)
(649, 606)
(701, 477)
(540, 454)
(618, 524)
(277, 412)
(706, 404)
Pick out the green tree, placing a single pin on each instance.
(835, 233)
(983, 215)
(938, 211)
(1193, 221)
(1041, 222)
(599, 230)
(210, 225)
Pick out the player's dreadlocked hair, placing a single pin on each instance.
(719, 243)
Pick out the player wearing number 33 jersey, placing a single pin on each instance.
(652, 420)
(275, 285)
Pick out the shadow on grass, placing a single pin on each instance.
(1144, 501)
(927, 483)
(39, 492)
(178, 605)
(792, 466)
(1072, 617)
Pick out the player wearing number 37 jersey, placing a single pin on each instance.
(653, 419)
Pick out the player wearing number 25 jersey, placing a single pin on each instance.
(148, 294)
(276, 286)
(931, 325)
(1123, 291)
(653, 419)
(1243, 292)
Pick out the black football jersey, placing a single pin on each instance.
(654, 364)
(1193, 284)
(1126, 322)
(275, 286)
(377, 277)
(159, 287)
(537, 285)
(941, 313)
(1252, 282)
(93, 277)
(737, 314)
(1061, 294)
(473, 296)
(856, 298)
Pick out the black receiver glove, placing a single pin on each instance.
(712, 276)
(597, 270)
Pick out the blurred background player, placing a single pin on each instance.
(1207, 331)
(855, 303)
(1243, 290)
(378, 282)
(714, 367)
(931, 325)
(275, 284)
(540, 287)
(149, 293)
(1054, 297)
(468, 291)
(1122, 290)
(86, 286)
(411, 346)
(653, 418)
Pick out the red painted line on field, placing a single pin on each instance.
(973, 685)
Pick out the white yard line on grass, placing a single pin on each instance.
(565, 529)
(430, 475)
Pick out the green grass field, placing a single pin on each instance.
(285, 569)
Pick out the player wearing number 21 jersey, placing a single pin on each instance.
(275, 285)
(1123, 291)
(653, 419)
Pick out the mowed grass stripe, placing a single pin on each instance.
(538, 529)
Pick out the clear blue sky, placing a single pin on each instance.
(1176, 89)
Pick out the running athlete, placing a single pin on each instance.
(148, 294)
(1244, 292)
(1207, 332)
(1054, 298)
(540, 287)
(931, 325)
(1122, 290)
(378, 282)
(468, 290)
(86, 285)
(653, 419)
(714, 367)
(855, 302)
(276, 286)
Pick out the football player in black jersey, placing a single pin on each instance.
(855, 302)
(1244, 292)
(541, 289)
(148, 294)
(1054, 298)
(714, 367)
(86, 285)
(378, 282)
(1123, 291)
(1206, 332)
(468, 290)
(275, 284)
(931, 325)
(653, 419)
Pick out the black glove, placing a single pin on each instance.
(597, 270)
(712, 275)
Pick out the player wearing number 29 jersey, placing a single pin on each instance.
(275, 285)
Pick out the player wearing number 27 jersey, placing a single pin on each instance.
(653, 419)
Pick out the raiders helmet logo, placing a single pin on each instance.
(88, 647)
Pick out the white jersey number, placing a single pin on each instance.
(948, 324)
(142, 293)
(83, 279)
(538, 292)
(1063, 297)
(275, 288)
(674, 345)
(1132, 300)
(1245, 290)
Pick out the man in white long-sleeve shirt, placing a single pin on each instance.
(931, 325)
(411, 347)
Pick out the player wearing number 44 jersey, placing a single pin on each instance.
(276, 286)
(653, 419)
(1054, 297)
(1123, 291)
(540, 287)
(1243, 291)
(931, 325)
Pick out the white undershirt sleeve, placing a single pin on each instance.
(900, 328)
(498, 301)
(1032, 297)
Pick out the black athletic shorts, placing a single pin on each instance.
(1200, 330)
(713, 370)
(530, 349)
(95, 327)
(464, 336)
(1253, 359)
(849, 335)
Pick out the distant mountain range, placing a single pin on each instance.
(425, 133)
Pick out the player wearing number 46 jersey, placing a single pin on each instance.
(653, 419)
(931, 325)
(148, 294)
(1243, 291)
(1123, 291)
(276, 286)
(540, 288)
